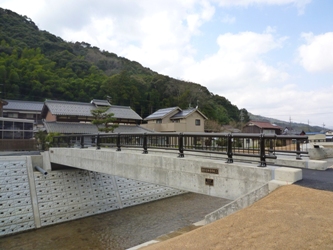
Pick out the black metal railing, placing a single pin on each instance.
(261, 146)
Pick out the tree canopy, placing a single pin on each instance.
(103, 120)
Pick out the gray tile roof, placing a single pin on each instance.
(87, 128)
(161, 113)
(100, 102)
(23, 106)
(84, 109)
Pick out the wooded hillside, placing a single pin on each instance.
(36, 65)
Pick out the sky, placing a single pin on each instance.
(272, 57)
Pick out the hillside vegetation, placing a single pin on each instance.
(37, 65)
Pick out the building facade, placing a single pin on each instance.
(175, 119)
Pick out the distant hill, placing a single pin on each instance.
(35, 65)
(290, 125)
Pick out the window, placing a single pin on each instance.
(159, 121)
(13, 115)
(197, 122)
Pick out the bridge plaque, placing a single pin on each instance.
(209, 170)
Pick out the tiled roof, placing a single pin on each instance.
(124, 112)
(100, 102)
(23, 106)
(87, 128)
(84, 109)
(159, 114)
(263, 125)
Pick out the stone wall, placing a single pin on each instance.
(64, 195)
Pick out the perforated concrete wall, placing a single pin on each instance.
(16, 212)
(133, 192)
(65, 195)
(72, 194)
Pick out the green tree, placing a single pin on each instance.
(103, 120)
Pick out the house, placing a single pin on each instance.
(261, 127)
(24, 110)
(75, 117)
(175, 119)
(314, 137)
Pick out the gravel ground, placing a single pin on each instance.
(291, 217)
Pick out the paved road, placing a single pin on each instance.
(317, 179)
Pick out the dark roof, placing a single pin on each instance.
(263, 125)
(161, 113)
(84, 109)
(24, 106)
(100, 102)
(88, 128)
(187, 112)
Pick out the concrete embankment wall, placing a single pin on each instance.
(29, 199)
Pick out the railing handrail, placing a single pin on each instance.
(201, 142)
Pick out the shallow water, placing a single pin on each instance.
(119, 229)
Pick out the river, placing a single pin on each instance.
(120, 229)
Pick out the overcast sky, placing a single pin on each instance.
(272, 57)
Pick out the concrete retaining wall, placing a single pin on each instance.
(238, 204)
(29, 199)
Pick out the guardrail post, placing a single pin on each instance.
(262, 152)
(298, 149)
(98, 146)
(82, 141)
(229, 149)
(118, 142)
(181, 145)
(145, 144)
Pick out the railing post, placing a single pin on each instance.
(145, 144)
(98, 146)
(229, 149)
(82, 141)
(118, 142)
(181, 145)
(262, 152)
(298, 149)
(271, 148)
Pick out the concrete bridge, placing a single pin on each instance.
(194, 174)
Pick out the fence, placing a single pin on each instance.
(260, 146)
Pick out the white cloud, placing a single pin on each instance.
(228, 19)
(317, 54)
(238, 62)
(300, 4)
